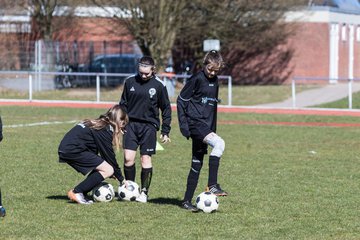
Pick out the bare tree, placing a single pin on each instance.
(154, 24)
(250, 31)
(253, 37)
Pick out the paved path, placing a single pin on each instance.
(329, 93)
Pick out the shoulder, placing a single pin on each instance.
(130, 78)
(158, 81)
(197, 76)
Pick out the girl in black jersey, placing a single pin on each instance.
(143, 97)
(197, 113)
(81, 146)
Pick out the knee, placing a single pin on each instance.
(219, 147)
(129, 157)
(129, 162)
(108, 171)
(146, 161)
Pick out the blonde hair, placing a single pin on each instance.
(214, 59)
(116, 117)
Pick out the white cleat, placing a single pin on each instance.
(78, 198)
(142, 198)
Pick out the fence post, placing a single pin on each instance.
(350, 93)
(230, 91)
(97, 88)
(293, 92)
(30, 87)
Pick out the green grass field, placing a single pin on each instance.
(285, 182)
(343, 103)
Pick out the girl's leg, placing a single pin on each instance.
(129, 164)
(218, 145)
(146, 176)
(104, 170)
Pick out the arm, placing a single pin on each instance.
(103, 139)
(123, 99)
(164, 104)
(182, 104)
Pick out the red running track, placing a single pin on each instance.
(225, 109)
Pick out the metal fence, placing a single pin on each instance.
(33, 81)
(25, 55)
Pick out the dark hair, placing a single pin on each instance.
(147, 61)
(214, 58)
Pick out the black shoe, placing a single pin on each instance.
(188, 206)
(216, 189)
(2, 212)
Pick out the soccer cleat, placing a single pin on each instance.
(188, 206)
(142, 197)
(2, 211)
(216, 189)
(78, 197)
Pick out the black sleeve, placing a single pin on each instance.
(103, 139)
(123, 100)
(182, 104)
(165, 107)
(1, 135)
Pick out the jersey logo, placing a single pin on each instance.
(211, 84)
(152, 92)
(132, 89)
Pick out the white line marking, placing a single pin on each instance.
(38, 124)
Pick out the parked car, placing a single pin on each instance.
(110, 63)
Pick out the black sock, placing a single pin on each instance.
(193, 177)
(130, 172)
(89, 183)
(214, 162)
(146, 175)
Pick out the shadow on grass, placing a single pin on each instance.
(169, 201)
(58, 197)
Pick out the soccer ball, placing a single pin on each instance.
(129, 191)
(207, 202)
(104, 192)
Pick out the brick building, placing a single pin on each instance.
(326, 43)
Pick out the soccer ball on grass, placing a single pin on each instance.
(129, 191)
(104, 192)
(207, 202)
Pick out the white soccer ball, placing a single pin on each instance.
(207, 202)
(129, 191)
(104, 192)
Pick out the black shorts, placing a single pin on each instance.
(198, 130)
(83, 162)
(140, 134)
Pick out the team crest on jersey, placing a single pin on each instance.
(132, 89)
(152, 92)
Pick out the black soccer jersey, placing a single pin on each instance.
(143, 99)
(81, 139)
(197, 101)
